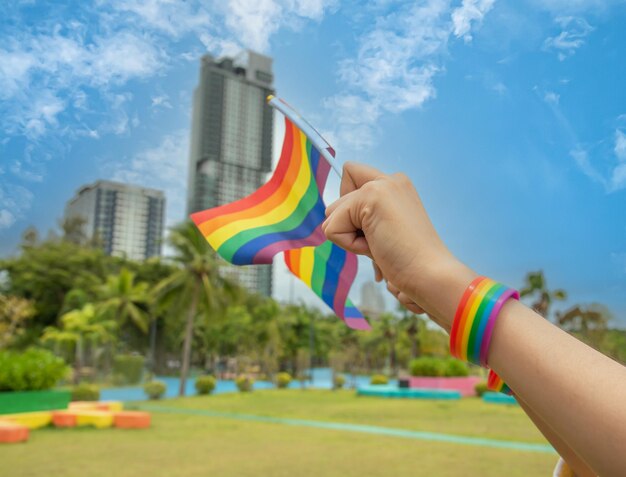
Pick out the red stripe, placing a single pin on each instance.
(260, 194)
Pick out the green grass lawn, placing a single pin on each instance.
(191, 444)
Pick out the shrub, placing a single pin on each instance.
(379, 379)
(455, 367)
(283, 380)
(205, 384)
(128, 368)
(339, 381)
(85, 392)
(32, 370)
(427, 366)
(244, 384)
(481, 388)
(154, 389)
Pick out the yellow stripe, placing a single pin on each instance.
(306, 264)
(472, 307)
(280, 213)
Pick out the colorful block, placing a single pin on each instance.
(11, 432)
(132, 420)
(64, 418)
(98, 419)
(83, 405)
(113, 406)
(32, 420)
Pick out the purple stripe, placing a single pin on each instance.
(346, 277)
(357, 323)
(484, 346)
(321, 175)
(265, 255)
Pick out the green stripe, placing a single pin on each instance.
(308, 201)
(320, 257)
(471, 344)
(365, 429)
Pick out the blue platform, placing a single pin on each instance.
(498, 398)
(407, 393)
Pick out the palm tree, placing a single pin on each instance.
(197, 278)
(124, 300)
(412, 325)
(536, 286)
(583, 320)
(79, 328)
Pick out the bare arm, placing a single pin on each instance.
(580, 467)
(579, 393)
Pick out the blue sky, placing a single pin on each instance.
(510, 116)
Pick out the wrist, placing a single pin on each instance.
(442, 288)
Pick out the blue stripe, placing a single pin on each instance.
(352, 312)
(334, 266)
(246, 253)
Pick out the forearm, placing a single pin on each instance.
(580, 467)
(577, 391)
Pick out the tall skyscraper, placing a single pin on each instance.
(372, 300)
(127, 220)
(231, 142)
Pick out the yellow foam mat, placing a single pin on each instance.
(32, 420)
(113, 406)
(98, 419)
(83, 405)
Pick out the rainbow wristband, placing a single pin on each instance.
(495, 383)
(476, 317)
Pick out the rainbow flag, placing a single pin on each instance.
(329, 271)
(285, 213)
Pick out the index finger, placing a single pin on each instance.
(355, 175)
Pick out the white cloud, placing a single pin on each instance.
(620, 145)
(575, 6)
(163, 167)
(161, 101)
(14, 201)
(551, 97)
(573, 36)
(470, 11)
(613, 179)
(172, 17)
(396, 63)
(253, 22)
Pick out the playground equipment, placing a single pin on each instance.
(100, 415)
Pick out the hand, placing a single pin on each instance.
(382, 216)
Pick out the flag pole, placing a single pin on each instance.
(314, 136)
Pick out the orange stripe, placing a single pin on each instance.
(278, 197)
(295, 262)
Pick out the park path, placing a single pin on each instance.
(361, 428)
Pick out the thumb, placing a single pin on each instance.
(343, 227)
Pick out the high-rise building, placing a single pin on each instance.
(372, 300)
(126, 220)
(231, 142)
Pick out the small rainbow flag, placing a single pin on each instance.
(283, 214)
(329, 271)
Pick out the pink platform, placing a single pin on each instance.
(465, 385)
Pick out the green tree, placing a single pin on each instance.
(195, 282)
(79, 329)
(537, 288)
(15, 312)
(124, 300)
(45, 272)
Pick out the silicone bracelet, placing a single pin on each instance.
(480, 323)
(457, 316)
(486, 341)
